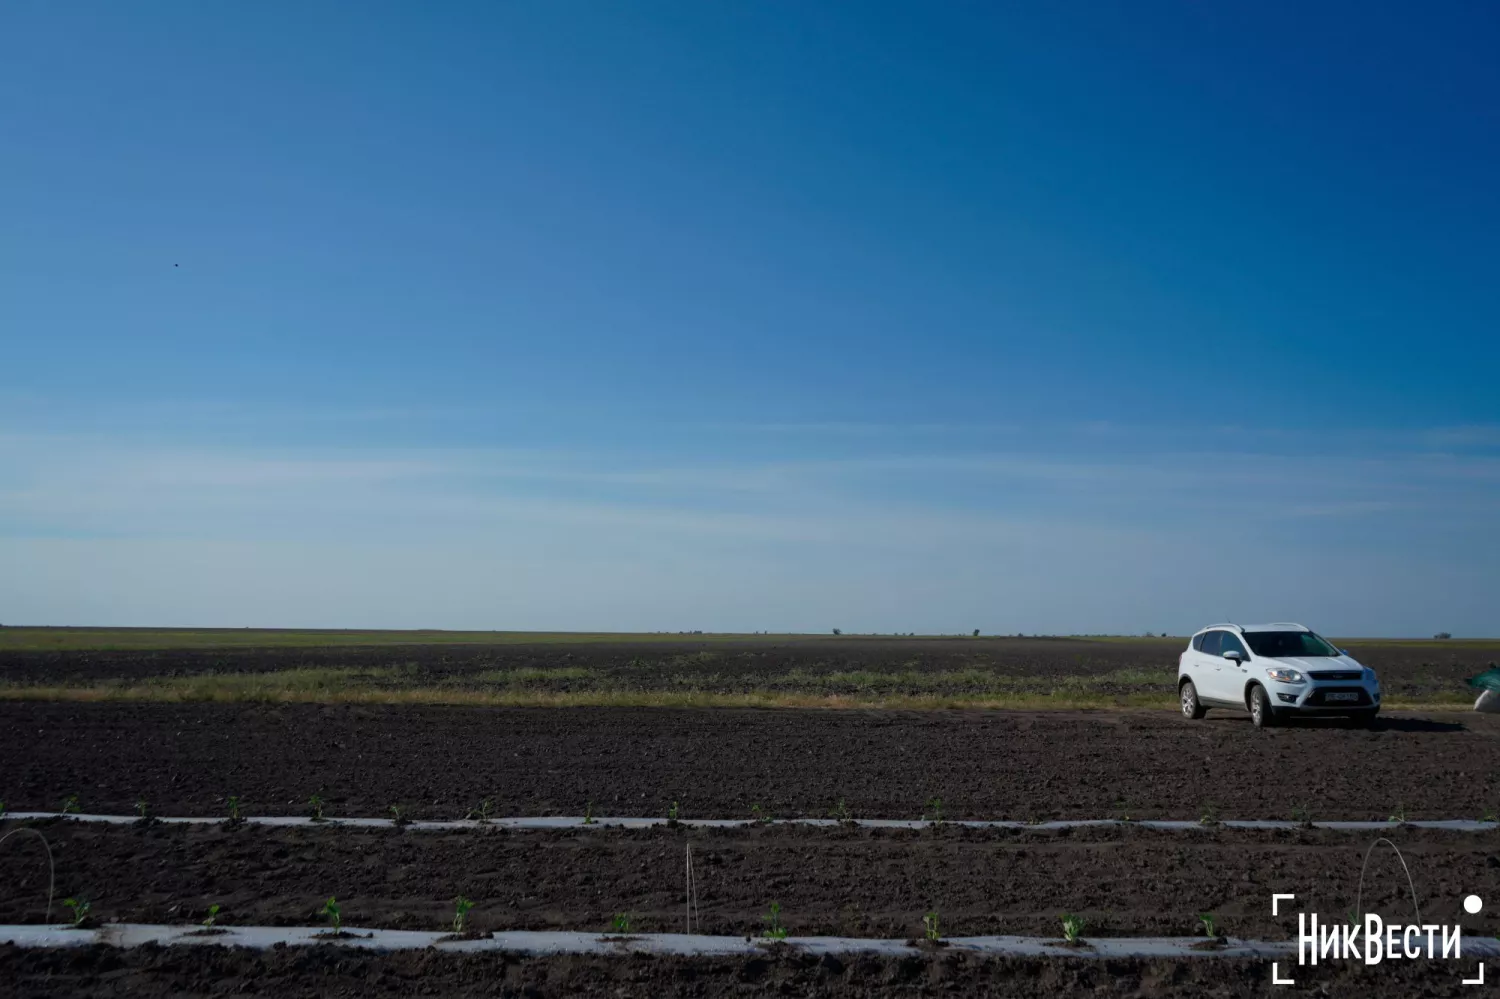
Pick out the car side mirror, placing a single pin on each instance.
(1344, 652)
(1234, 655)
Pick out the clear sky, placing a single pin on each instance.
(750, 315)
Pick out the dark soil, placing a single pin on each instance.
(334, 971)
(829, 881)
(733, 665)
(442, 761)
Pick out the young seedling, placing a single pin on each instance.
(461, 907)
(1302, 816)
(759, 815)
(1488, 816)
(842, 814)
(142, 812)
(1399, 815)
(934, 812)
(2, 809)
(930, 927)
(235, 815)
(335, 916)
(588, 813)
(672, 816)
(1122, 807)
(398, 816)
(213, 916)
(1209, 815)
(315, 807)
(70, 805)
(622, 922)
(1072, 927)
(80, 909)
(774, 929)
(480, 812)
(1207, 919)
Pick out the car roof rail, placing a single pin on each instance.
(1222, 624)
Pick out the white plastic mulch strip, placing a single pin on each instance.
(540, 942)
(579, 822)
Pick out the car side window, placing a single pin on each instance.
(1231, 643)
(1210, 646)
(1197, 643)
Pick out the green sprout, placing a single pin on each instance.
(461, 907)
(672, 816)
(1488, 816)
(774, 929)
(588, 813)
(930, 927)
(335, 915)
(622, 922)
(1207, 919)
(934, 812)
(213, 916)
(315, 807)
(1072, 927)
(1302, 816)
(842, 814)
(142, 811)
(70, 805)
(1123, 807)
(480, 812)
(1399, 815)
(80, 909)
(398, 816)
(759, 815)
(1209, 815)
(236, 816)
(2, 809)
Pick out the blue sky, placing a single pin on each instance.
(750, 316)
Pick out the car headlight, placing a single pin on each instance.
(1284, 675)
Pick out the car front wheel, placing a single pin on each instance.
(1260, 708)
(1191, 706)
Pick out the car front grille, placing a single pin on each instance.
(1335, 674)
(1319, 698)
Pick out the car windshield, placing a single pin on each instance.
(1277, 644)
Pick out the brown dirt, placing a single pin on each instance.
(441, 761)
(1132, 881)
(333, 971)
(735, 665)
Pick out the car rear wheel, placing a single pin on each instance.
(1191, 706)
(1260, 708)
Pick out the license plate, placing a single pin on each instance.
(1340, 697)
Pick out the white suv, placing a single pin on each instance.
(1273, 671)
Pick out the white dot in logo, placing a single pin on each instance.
(1472, 904)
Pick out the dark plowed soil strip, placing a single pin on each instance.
(185, 759)
(1132, 882)
(329, 971)
(739, 665)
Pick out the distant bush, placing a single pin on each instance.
(1442, 635)
(976, 632)
(837, 631)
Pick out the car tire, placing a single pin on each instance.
(1191, 706)
(1261, 712)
